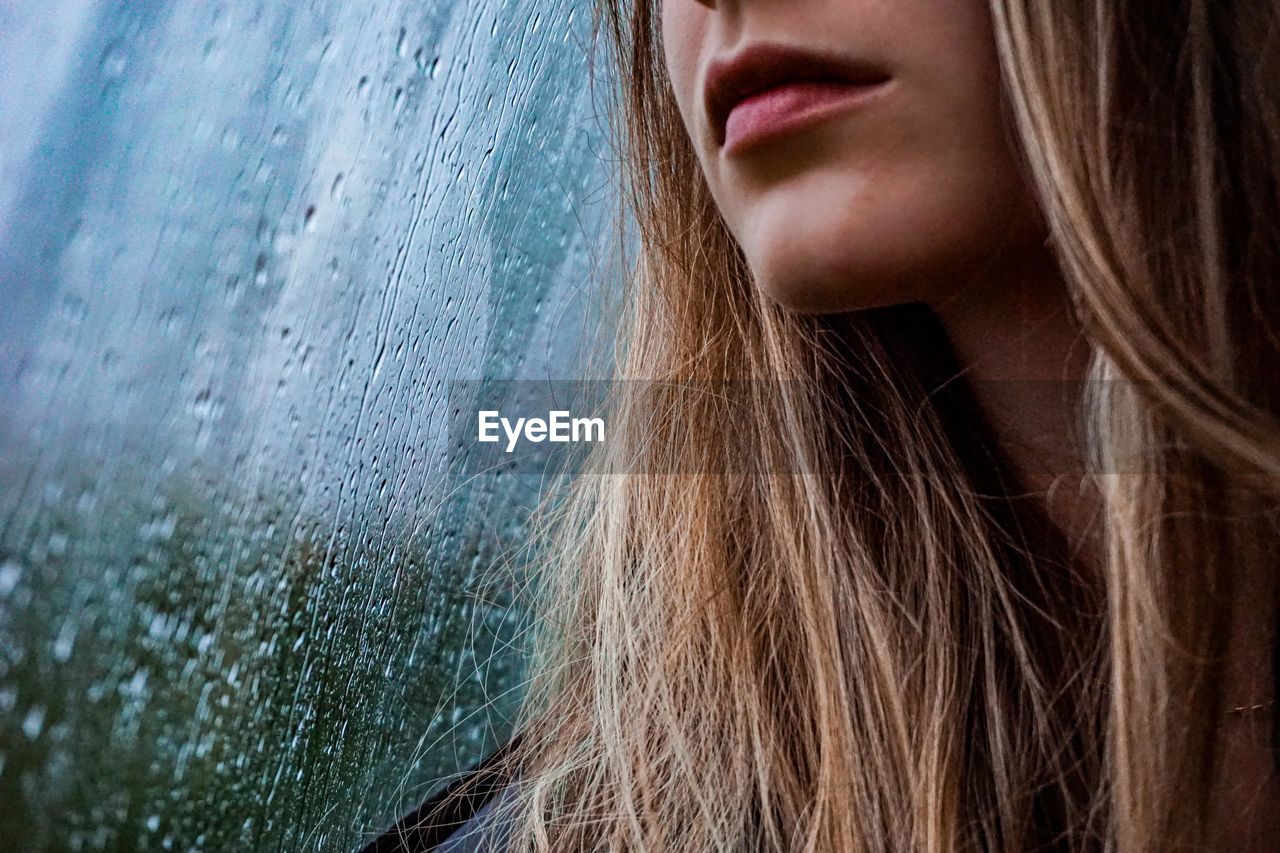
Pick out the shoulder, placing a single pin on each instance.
(470, 815)
(488, 829)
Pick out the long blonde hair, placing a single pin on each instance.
(794, 608)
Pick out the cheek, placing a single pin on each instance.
(684, 29)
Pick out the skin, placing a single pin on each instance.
(918, 195)
(914, 195)
(916, 191)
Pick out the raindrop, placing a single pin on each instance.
(10, 574)
(260, 269)
(63, 645)
(114, 61)
(58, 543)
(33, 723)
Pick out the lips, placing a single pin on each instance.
(782, 72)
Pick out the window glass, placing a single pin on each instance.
(246, 249)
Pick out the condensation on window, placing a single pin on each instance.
(248, 595)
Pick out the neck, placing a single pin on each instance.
(1025, 355)
(1026, 358)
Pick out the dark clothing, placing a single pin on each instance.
(464, 817)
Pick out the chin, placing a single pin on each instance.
(839, 271)
(824, 294)
(817, 253)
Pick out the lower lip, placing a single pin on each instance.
(786, 109)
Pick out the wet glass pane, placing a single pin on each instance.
(247, 588)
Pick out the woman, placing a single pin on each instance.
(945, 519)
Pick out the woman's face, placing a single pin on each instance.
(857, 149)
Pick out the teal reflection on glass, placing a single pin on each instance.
(247, 593)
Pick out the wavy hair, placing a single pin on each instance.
(796, 608)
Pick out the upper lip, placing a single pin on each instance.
(761, 66)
